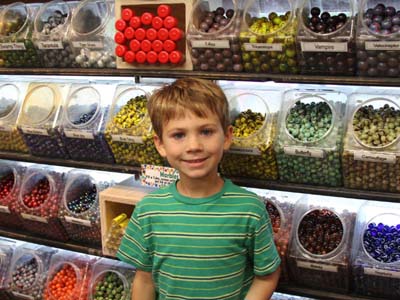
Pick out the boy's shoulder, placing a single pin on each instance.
(159, 195)
(243, 195)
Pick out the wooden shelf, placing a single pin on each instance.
(171, 73)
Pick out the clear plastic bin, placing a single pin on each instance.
(378, 38)
(267, 37)
(253, 116)
(28, 270)
(12, 95)
(79, 211)
(11, 174)
(7, 249)
(280, 207)
(319, 254)
(71, 270)
(213, 36)
(129, 132)
(375, 253)
(40, 119)
(309, 143)
(115, 232)
(50, 35)
(16, 46)
(85, 115)
(91, 34)
(39, 202)
(108, 272)
(371, 149)
(151, 34)
(326, 37)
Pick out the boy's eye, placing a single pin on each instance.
(207, 131)
(178, 135)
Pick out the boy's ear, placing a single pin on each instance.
(159, 145)
(228, 137)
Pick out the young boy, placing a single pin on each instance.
(202, 237)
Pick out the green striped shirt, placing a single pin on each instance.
(201, 249)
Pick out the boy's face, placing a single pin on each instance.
(194, 145)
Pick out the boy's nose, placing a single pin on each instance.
(194, 143)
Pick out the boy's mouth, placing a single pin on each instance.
(194, 161)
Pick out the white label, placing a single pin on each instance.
(157, 176)
(78, 221)
(127, 138)
(262, 47)
(34, 218)
(43, 45)
(4, 209)
(323, 47)
(382, 273)
(306, 152)
(239, 150)
(315, 266)
(78, 134)
(12, 46)
(375, 157)
(217, 44)
(31, 130)
(388, 45)
(5, 128)
(88, 44)
(16, 294)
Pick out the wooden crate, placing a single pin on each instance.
(116, 200)
(181, 9)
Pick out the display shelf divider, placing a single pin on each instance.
(319, 294)
(260, 77)
(317, 190)
(51, 243)
(71, 163)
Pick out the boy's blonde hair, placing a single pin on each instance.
(198, 96)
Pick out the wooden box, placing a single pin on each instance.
(116, 200)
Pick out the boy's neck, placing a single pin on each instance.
(199, 188)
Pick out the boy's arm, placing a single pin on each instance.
(263, 287)
(143, 286)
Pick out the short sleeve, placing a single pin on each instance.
(265, 256)
(134, 247)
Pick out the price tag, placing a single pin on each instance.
(44, 45)
(12, 46)
(158, 176)
(4, 209)
(316, 266)
(127, 138)
(386, 45)
(216, 44)
(263, 47)
(23, 296)
(34, 218)
(73, 220)
(382, 273)
(375, 157)
(88, 44)
(7, 128)
(240, 150)
(32, 130)
(323, 47)
(305, 152)
(78, 134)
